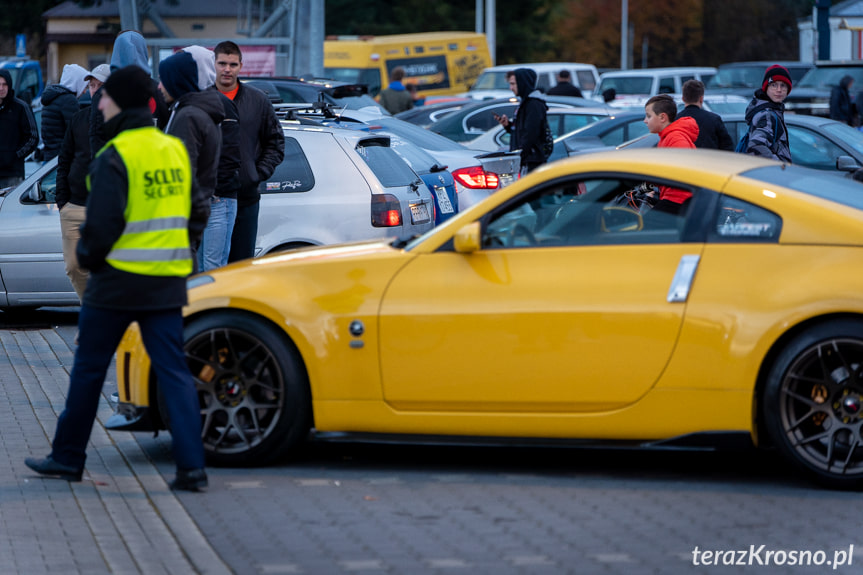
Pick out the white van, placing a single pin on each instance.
(634, 87)
(492, 82)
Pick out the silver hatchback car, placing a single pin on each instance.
(334, 186)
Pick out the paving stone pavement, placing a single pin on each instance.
(122, 518)
(369, 510)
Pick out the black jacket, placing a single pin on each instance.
(841, 108)
(712, 132)
(195, 120)
(565, 89)
(228, 176)
(158, 107)
(109, 287)
(19, 134)
(74, 161)
(262, 142)
(59, 104)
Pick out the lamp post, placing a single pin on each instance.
(624, 34)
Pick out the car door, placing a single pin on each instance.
(31, 251)
(573, 304)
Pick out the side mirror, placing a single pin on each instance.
(467, 239)
(621, 219)
(847, 164)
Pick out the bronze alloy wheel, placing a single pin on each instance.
(815, 405)
(252, 387)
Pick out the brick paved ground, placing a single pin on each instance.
(368, 510)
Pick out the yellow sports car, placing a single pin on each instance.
(568, 305)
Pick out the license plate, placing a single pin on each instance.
(505, 179)
(419, 214)
(443, 200)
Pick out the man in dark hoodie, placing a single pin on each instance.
(72, 165)
(195, 118)
(59, 104)
(841, 108)
(528, 126)
(135, 242)
(130, 48)
(19, 134)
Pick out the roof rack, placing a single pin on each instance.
(312, 113)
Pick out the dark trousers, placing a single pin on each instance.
(245, 233)
(99, 333)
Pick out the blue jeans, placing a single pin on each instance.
(216, 243)
(100, 331)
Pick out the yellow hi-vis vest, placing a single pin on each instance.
(155, 241)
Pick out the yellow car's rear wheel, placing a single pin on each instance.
(252, 386)
(814, 402)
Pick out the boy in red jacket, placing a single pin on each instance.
(660, 113)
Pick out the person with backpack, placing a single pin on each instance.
(765, 115)
(529, 129)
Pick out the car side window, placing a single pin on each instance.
(49, 187)
(483, 120)
(666, 85)
(739, 221)
(812, 150)
(604, 210)
(636, 130)
(293, 175)
(586, 79)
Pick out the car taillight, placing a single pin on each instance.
(386, 211)
(476, 178)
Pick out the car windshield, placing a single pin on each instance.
(737, 77)
(491, 81)
(627, 85)
(845, 133)
(420, 136)
(832, 187)
(827, 77)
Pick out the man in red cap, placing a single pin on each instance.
(765, 115)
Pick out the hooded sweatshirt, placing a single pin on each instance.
(768, 136)
(130, 48)
(680, 133)
(528, 131)
(195, 118)
(840, 101)
(60, 103)
(20, 135)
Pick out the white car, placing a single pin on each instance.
(492, 82)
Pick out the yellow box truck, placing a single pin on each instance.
(439, 63)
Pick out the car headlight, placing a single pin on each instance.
(198, 281)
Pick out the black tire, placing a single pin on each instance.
(813, 403)
(253, 389)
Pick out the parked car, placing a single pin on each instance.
(560, 121)
(611, 131)
(492, 82)
(334, 186)
(436, 176)
(743, 78)
(429, 113)
(477, 118)
(32, 273)
(646, 82)
(811, 95)
(291, 90)
(477, 174)
(556, 282)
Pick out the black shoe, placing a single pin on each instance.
(192, 480)
(48, 466)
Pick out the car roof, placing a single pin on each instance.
(544, 66)
(654, 71)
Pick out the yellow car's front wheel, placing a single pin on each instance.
(252, 385)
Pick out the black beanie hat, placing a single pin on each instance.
(130, 87)
(776, 73)
(179, 74)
